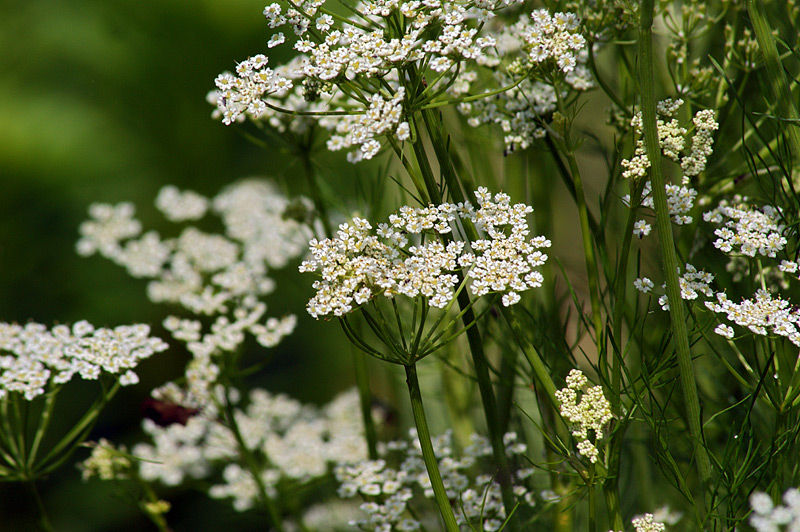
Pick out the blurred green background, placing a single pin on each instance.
(105, 101)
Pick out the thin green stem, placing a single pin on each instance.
(474, 340)
(540, 372)
(316, 195)
(586, 235)
(611, 482)
(668, 254)
(428, 456)
(592, 500)
(59, 453)
(42, 519)
(42, 426)
(776, 75)
(249, 461)
(365, 399)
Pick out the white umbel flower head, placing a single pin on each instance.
(586, 409)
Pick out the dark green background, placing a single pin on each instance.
(105, 101)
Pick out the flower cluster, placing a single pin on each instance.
(32, 357)
(294, 444)
(767, 517)
(245, 91)
(200, 271)
(341, 55)
(297, 98)
(647, 523)
(106, 462)
(750, 231)
(672, 139)
(205, 273)
(592, 412)
(521, 60)
(553, 37)
(358, 265)
(390, 491)
(225, 335)
(692, 282)
(436, 27)
(382, 117)
(762, 315)
(680, 201)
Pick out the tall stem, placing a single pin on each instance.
(316, 195)
(252, 466)
(365, 399)
(479, 361)
(43, 520)
(668, 254)
(428, 456)
(586, 235)
(776, 75)
(611, 482)
(592, 501)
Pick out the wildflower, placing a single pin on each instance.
(672, 139)
(358, 265)
(643, 284)
(646, 523)
(33, 357)
(724, 330)
(763, 314)
(754, 231)
(767, 517)
(478, 494)
(219, 275)
(300, 442)
(641, 228)
(533, 45)
(244, 92)
(593, 412)
(106, 462)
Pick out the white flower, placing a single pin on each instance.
(32, 356)
(641, 228)
(643, 284)
(593, 412)
(276, 39)
(724, 330)
(357, 265)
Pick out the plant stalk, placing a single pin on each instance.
(669, 256)
(776, 75)
(428, 456)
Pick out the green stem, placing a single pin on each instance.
(505, 394)
(540, 372)
(611, 482)
(431, 189)
(592, 501)
(316, 195)
(669, 256)
(41, 429)
(428, 456)
(251, 464)
(473, 334)
(588, 252)
(9, 436)
(776, 75)
(365, 399)
(43, 520)
(157, 518)
(586, 236)
(79, 432)
(489, 405)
